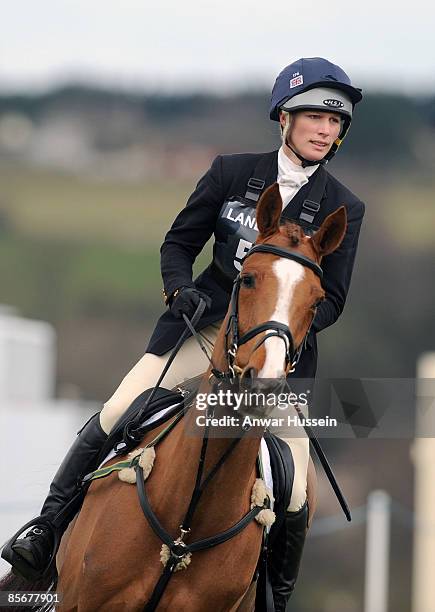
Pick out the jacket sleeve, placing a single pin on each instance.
(337, 271)
(191, 229)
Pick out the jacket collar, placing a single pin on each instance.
(272, 173)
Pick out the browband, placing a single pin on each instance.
(274, 250)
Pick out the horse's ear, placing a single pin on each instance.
(330, 234)
(269, 210)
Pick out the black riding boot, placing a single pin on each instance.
(30, 556)
(286, 556)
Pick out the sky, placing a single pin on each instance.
(208, 45)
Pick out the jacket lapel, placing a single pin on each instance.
(272, 172)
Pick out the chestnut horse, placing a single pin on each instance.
(109, 559)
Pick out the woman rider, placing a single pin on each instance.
(313, 101)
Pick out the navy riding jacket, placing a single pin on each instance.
(228, 176)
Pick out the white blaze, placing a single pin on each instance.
(289, 273)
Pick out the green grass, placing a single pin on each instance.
(408, 211)
(48, 205)
(71, 246)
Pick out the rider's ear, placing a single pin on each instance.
(269, 210)
(330, 234)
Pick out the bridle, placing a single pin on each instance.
(233, 340)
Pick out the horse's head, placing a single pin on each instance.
(279, 289)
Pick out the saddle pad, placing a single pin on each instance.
(267, 468)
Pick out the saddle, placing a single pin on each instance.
(167, 402)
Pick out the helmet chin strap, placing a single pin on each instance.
(305, 162)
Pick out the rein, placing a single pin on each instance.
(132, 430)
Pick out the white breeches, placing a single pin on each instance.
(189, 362)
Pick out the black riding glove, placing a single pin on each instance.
(186, 300)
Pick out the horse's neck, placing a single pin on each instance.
(230, 487)
(244, 454)
(232, 483)
(247, 449)
(188, 437)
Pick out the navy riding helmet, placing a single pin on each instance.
(315, 83)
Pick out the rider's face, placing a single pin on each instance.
(312, 133)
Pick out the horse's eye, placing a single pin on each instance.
(248, 281)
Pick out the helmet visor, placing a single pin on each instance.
(321, 98)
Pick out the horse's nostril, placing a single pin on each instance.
(250, 373)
